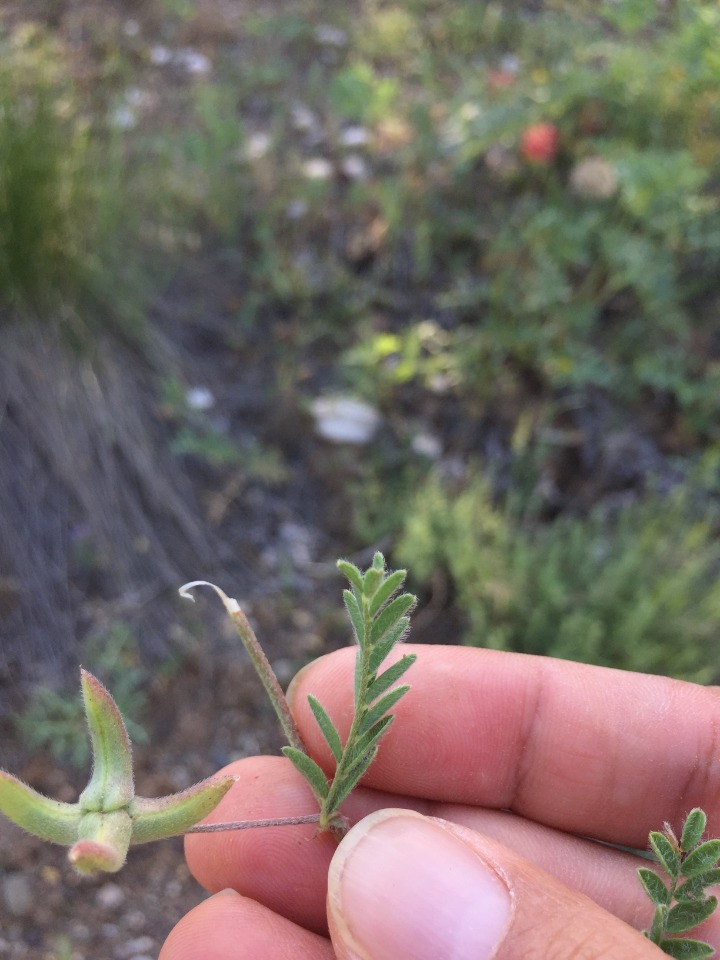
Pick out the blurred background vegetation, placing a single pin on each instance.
(496, 225)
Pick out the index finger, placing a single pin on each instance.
(585, 749)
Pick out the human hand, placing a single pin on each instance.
(468, 830)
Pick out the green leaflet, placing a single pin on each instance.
(654, 887)
(310, 770)
(352, 573)
(326, 726)
(378, 710)
(666, 853)
(356, 617)
(390, 676)
(389, 616)
(693, 829)
(684, 916)
(684, 949)
(386, 590)
(702, 859)
(380, 652)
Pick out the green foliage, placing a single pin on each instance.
(683, 903)
(54, 720)
(379, 618)
(635, 589)
(63, 201)
(565, 269)
(40, 149)
(358, 93)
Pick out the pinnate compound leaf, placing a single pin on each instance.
(684, 916)
(355, 614)
(666, 854)
(380, 652)
(683, 949)
(702, 859)
(351, 572)
(383, 705)
(310, 771)
(654, 887)
(388, 617)
(386, 589)
(693, 829)
(389, 676)
(329, 731)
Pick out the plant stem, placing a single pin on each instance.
(268, 678)
(250, 824)
(259, 661)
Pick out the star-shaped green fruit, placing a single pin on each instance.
(108, 817)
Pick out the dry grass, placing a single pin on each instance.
(83, 461)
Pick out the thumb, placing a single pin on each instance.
(407, 887)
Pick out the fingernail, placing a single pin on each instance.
(401, 886)
(227, 892)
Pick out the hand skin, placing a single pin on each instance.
(468, 830)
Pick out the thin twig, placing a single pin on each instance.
(250, 824)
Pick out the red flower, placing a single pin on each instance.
(540, 142)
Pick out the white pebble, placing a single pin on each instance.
(345, 419)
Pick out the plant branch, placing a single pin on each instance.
(259, 661)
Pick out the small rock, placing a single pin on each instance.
(354, 167)
(110, 896)
(200, 398)
(354, 136)
(17, 894)
(427, 445)
(79, 931)
(345, 419)
(317, 168)
(330, 35)
(135, 920)
(133, 949)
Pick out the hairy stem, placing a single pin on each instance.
(259, 661)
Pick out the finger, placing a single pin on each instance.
(285, 868)
(405, 886)
(607, 876)
(585, 749)
(231, 927)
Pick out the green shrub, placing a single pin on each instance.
(40, 147)
(68, 211)
(568, 268)
(636, 588)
